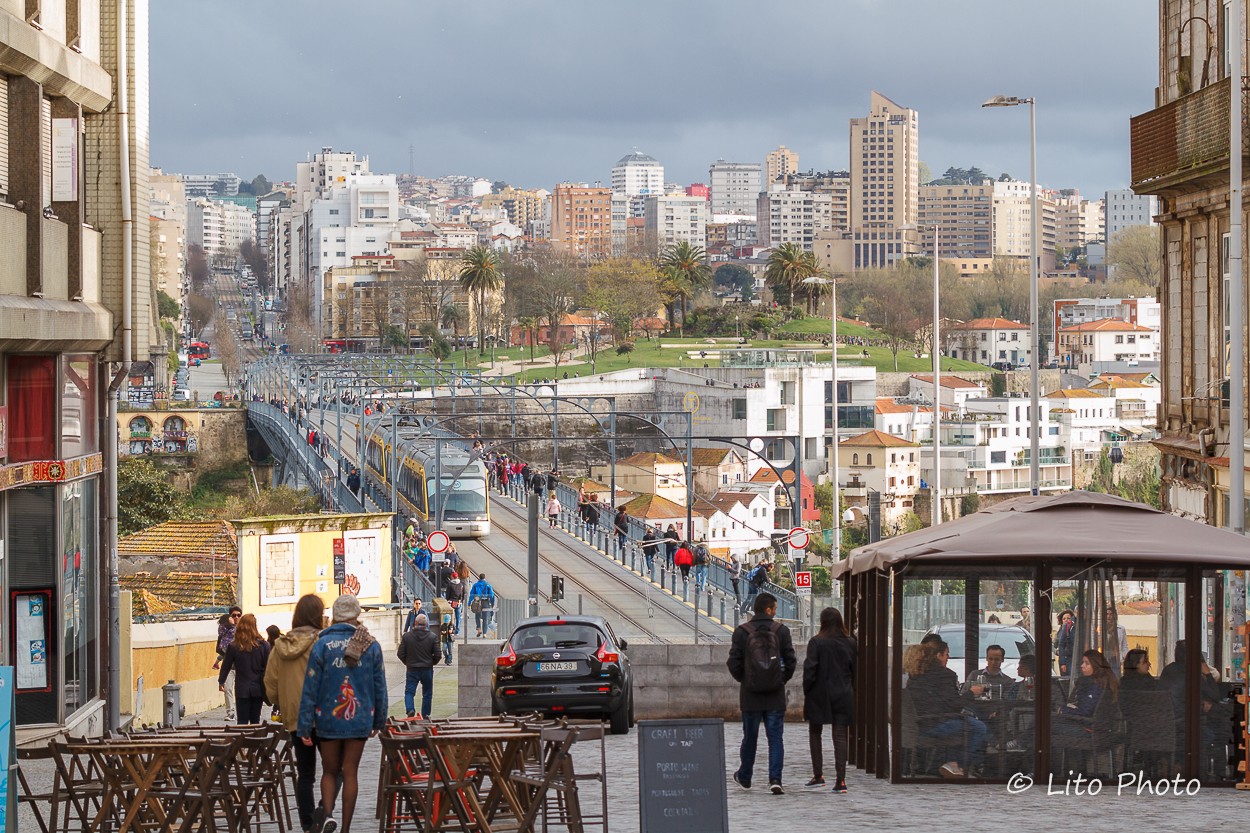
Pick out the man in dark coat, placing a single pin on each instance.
(762, 705)
(419, 651)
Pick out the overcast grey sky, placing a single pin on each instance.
(539, 91)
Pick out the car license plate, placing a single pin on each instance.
(557, 666)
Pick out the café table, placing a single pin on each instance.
(464, 761)
(130, 770)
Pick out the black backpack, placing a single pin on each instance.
(763, 671)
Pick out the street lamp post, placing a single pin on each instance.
(836, 549)
(936, 512)
(1034, 347)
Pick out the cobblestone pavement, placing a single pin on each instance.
(871, 805)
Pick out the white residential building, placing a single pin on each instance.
(734, 187)
(638, 175)
(1013, 213)
(1084, 414)
(675, 217)
(1136, 399)
(991, 341)
(956, 391)
(990, 442)
(742, 523)
(880, 462)
(1125, 209)
(219, 227)
(211, 185)
(790, 215)
(1072, 311)
(1085, 345)
(906, 420)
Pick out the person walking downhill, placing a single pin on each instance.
(284, 684)
(447, 637)
(702, 560)
(756, 579)
(419, 652)
(226, 626)
(649, 542)
(482, 602)
(762, 660)
(828, 695)
(246, 657)
(411, 621)
(620, 524)
(670, 544)
(454, 592)
(735, 575)
(553, 509)
(343, 704)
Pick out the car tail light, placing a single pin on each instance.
(508, 692)
(605, 656)
(507, 658)
(605, 688)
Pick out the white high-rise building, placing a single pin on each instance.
(638, 175)
(1124, 209)
(217, 226)
(674, 217)
(788, 214)
(734, 187)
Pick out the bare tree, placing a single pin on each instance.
(1133, 255)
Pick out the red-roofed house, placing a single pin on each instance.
(875, 460)
(1107, 340)
(990, 340)
(784, 516)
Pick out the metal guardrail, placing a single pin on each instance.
(278, 428)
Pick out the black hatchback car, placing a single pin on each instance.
(565, 665)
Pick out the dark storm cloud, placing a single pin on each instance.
(535, 91)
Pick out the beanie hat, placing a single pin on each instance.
(346, 609)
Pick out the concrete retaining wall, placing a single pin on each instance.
(670, 681)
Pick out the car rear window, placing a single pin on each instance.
(543, 635)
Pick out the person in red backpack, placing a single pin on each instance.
(762, 660)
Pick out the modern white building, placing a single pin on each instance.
(991, 442)
(734, 187)
(1125, 209)
(956, 391)
(218, 227)
(989, 341)
(671, 218)
(1084, 414)
(790, 215)
(211, 185)
(638, 175)
(908, 420)
(1136, 400)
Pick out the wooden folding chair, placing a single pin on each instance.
(35, 800)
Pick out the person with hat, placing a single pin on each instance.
(344, 703)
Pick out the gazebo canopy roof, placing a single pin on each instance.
(1086, 525)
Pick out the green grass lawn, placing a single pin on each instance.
(820, 326)
(651, 354)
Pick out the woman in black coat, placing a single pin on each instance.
(828, 694)
(247, 656)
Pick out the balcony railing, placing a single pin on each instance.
(1182, 140)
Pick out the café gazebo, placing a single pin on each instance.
(1138, 585)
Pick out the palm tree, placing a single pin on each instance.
(788, 266)
(479, 274)
(686, 267)
(453, 315)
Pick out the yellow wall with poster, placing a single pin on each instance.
(282, 558)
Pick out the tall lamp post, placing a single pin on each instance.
(833, 396)
(1236, 294)
(936, 512)
(1034, 347)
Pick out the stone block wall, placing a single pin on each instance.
(670, 681)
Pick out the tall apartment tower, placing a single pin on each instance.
(885, 179)
(779, 164)
(581, 220)
(734, 185)
(1125, 209)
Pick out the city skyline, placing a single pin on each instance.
(475, 117)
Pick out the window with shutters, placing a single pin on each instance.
(45, 144)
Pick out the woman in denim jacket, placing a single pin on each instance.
(344, 702)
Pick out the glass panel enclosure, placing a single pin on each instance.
(967, 676)
(1118, 692)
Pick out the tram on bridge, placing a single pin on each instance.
(438, 482)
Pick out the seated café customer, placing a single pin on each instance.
(992, 673)
(1094, 681)
(1137, 675)
(941, 712)
(1022, 689)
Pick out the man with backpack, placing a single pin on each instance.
(762, 660)
(756, 579)
(702, 560)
